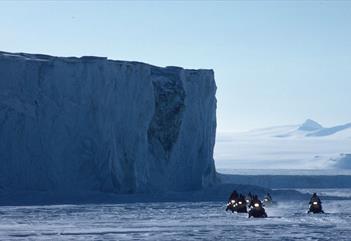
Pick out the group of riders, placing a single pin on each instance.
(240, 204)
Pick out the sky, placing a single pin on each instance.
(275, 62)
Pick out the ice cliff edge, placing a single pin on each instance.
(95, 124)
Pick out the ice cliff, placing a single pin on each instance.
(72, 124)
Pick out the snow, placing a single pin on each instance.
(343, 161)
(310, 125)
(289, 181)
(306, 146)
(94, 124)
(331, 130)
(175, 221)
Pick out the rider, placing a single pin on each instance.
(255, 200)
(242, 198)
(233, 196)
(257, 211)
(315, 198)
(248, 198)
(315, 208)
(269, 196)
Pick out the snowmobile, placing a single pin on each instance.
(232, 202)
(268, 201)
(248, 199)
(231, 205)
(315, 204)
(257, 210)
(241, 205)
(316, 207)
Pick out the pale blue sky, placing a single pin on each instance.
(276, 62)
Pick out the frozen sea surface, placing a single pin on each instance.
(173, 221)
(287, 172)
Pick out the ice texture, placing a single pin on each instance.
(72, 124)
(175, 221)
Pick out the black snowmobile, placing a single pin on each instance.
(315, 205)
(248, 199)
(241, 205)
(231, 205)
(257, 210)
(267, 200)
(232, 201)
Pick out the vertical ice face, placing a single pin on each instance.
(93, 124)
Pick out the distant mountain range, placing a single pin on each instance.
(305, 146)
(309, 128)
(313, 128)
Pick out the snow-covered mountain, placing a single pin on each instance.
(313, 128)
(93, 124)
(310, 125)
(308, 145)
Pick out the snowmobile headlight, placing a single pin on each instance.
(240, 203)
(232, 201)
(315, 203)
(256, 205)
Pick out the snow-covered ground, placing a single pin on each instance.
(305, 146)
(174, 221)
(286, 172)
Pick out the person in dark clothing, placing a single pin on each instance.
(269, 196)
(233, 196)
(267, 200)
(315, 204)
(232, 201)
(248, 198)
(241, 204)
(241, 198)
(257, 209)
(315, 198)
(255, 200)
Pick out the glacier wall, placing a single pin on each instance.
(92, 124)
